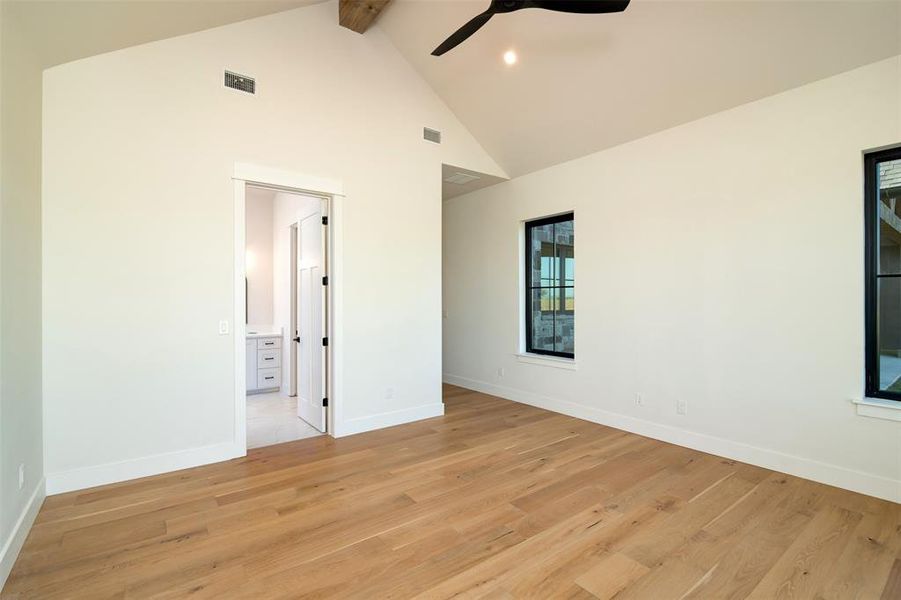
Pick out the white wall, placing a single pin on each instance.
(136, 278)
(719, 262)
(20, 290)
(258, 245)
(288, 209)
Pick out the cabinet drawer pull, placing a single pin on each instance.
(269, 343)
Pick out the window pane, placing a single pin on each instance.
(564, 324)
(565, 265)
(889, 317)
(550, 305)
(542, 318)
(541, 253)
(889, 177)
(548, 266)
(563, 235)
(569, 299)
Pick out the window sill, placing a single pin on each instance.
(547, 361)
(878, 408)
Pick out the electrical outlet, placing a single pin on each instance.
(682, 406)
(389, 394)
(21, 476)
(639, 400)
(223, 327)
(500, 372)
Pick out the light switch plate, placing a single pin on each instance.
(223, 327)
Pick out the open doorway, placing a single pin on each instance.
(286, 315)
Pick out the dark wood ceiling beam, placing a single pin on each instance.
(358, 15)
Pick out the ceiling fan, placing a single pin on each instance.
(506, 6)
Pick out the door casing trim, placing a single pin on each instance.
(300, 183)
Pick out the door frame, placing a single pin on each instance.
(333, 192)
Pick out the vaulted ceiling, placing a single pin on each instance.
(61, 31)
(583, 82)
(588, 82)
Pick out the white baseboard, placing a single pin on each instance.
(388, 419)
(857, 481)
(79, 479)
(13, 544)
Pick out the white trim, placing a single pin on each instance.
(389, 419)
(878, 408)
(333, 192)
(521, 315)
(299, 182)
(239, 327)
(857, 481)
(547, 361)
(336, 325)
(13, 544)
(87, 477)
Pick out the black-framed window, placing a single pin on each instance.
(550, 292)
(882, 211)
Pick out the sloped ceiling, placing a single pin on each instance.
(452, 186)
(588, 82)
(583, 82)
(61, 31)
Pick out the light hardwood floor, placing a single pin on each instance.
(494, 500)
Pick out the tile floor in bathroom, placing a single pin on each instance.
(272, 419)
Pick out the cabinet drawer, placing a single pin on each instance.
(269, 359)
(269, 378)
(273, 342)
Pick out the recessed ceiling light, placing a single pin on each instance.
(510, 57)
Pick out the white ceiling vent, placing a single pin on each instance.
(461, 178)
(242, 83)
(431, 135)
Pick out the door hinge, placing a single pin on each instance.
(325, 341)
(325, 402)
(325, 280)
(325, 220)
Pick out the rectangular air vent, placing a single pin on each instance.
(242, 83)
(431, 135)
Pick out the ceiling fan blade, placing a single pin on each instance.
(579, 6)
(464, 32)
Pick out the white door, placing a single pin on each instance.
(295, 315)
(311, 322)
